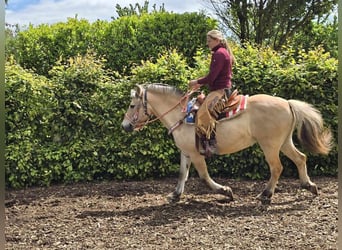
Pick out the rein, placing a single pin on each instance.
(150, 120)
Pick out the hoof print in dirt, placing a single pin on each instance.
(225, 200)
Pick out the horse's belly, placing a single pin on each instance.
(234, 135)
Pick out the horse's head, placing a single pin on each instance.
(136, 114)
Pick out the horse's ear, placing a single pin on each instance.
(133, 93)
(139, 91)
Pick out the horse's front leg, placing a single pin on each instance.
(183, 176)
(201, 167)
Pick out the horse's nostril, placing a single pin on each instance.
(127, 127)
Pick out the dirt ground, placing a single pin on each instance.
(136, 215)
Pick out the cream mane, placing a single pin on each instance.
(164, 89)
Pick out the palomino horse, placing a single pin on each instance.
(269, 121)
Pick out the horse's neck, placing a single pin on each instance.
(167, 109)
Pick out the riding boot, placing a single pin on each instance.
(209, 147)
(205, 149)
(212, 144)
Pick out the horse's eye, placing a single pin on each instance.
(132, 106)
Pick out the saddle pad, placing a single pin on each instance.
(231, 113)
(190, 118)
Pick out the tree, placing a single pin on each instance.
(269, 22)
(318, 34)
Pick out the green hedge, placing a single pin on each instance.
(124, 42)
(67, 127)
(29, 100)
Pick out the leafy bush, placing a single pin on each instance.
(29, 101)
(170, 68)
(60, 120)
(68, 128)
(39, 48)
(130, 39)
(124, 42)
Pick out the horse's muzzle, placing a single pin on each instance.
(127, 126)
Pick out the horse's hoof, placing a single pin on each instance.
(265, 197)
(173, 197)
(311, 187)
(264, 200)
(227, 191)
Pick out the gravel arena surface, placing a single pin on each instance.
(137, 215)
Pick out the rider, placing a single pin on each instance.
(218, 79)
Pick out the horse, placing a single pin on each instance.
(268, 120)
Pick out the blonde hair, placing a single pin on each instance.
(217, 35)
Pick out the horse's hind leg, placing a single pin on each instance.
(276, 168)
(201, 167)
(183, 176)
(300, 160)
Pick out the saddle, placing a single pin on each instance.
(228, 103)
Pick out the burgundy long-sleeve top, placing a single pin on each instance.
(220, 72)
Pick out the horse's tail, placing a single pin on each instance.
(310, 131)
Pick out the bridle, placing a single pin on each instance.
(143, 97)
